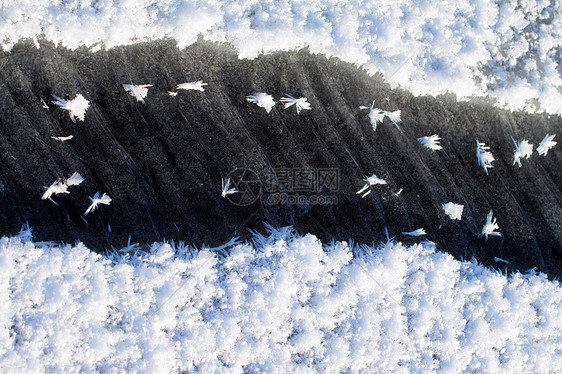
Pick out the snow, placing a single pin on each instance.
(507, 50)
(285, 303)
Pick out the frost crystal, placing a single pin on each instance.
(431, 142)
(376, 115)
(262, 99)
(226, 190)
(522, 150)
(54, 189)
(490, 226)
(197, 86)
(394, 117)
(59, 187)
(418, 232)
(371, 181)
(484, 157)
(546, 144)
(74, 180)
(300, 104)
(96, 200)
(62, 138)
(76, 107)
(454, 211)
(139, 92)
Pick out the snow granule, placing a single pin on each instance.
(285, 303)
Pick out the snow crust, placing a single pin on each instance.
(507, 50)
(283, 303)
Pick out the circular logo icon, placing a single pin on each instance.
(247, 184)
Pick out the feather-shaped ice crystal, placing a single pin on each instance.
(262, 99)
(226, 190)
(394, 117)
(197, 86)
(484, 157)
(371, 181)
(431, 142)
(74, 180)
(300, 103)
(54, 189)
(522, 150)
(96, 200)
(546, 144)
(418, 232)
(376, 115)
(138, 91)
(62, 138)
(454, 211)
(76, 107)
(62, 187)
(490, 226)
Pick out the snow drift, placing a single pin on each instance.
(508, 50)
(282, 303)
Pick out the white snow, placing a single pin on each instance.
(76, 107)
(507, 50)
(284, 304)
(547, 143)
(454, 211)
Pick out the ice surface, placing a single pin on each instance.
(282, 304)
(509, 50)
